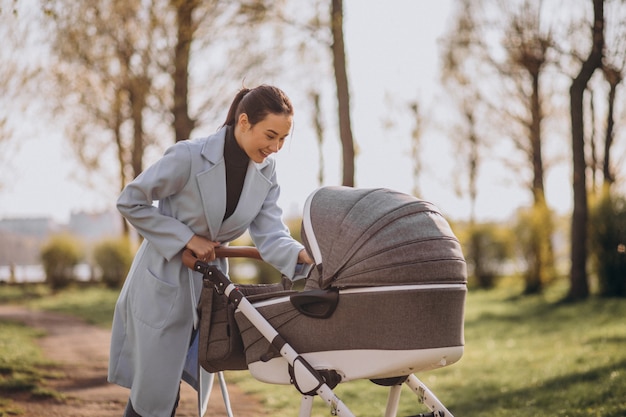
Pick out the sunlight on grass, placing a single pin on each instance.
(22, 366)
(93, 304)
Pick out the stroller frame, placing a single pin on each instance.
(305, 378)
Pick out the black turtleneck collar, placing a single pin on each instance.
(233, 154)
(236, 161)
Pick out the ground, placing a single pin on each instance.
(81, 352)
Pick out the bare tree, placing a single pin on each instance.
(613, 67)
(514, 65)
(127, 71)
(16, 75)
(343, 92)
(457, 49)
(104, 73)
(579, 286)
(318, 125)
(416, 139)
(186, 27)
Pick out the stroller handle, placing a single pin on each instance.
(189, 259)
(237, 252)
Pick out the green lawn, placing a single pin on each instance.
(524, 356)
(22, 366)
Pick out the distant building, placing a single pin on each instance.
(95, 226)
(40, 227)
(21, 239)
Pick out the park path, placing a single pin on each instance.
(81, 353)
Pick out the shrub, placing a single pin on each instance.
(534, 230)
(114, 257)
(59, 257)
(607, 235)
(487, 247)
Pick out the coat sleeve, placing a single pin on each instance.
(271, 236)
(163, 179)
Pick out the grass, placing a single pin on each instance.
(23, 369)
(524, 356)
(92, 303)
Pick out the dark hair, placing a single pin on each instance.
(257, 103)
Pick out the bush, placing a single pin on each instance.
(59, 257)
(607, 234)
(534, 230)
(487, 247)
(114, 257)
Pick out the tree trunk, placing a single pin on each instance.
(137, 97)
(343, 93)
(117, 130)
(542, 260)
(319, 133)
(183, 123)
(579, 286)
(614, 78)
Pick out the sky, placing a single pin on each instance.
(392, 57)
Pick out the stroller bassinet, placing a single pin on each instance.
(386, 297)
(384, 300)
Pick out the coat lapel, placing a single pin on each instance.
(255, 189)
(212, 183)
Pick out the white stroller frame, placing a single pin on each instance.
(306, 379)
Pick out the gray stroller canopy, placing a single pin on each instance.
(376, 237)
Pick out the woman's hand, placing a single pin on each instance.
(303, 257)
(202, 248)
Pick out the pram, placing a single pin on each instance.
(385, 300)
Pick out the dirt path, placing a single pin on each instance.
(82, 352)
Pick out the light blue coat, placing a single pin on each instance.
(154, 314)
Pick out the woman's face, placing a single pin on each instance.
(265, 137)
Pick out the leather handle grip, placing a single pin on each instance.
(237, 252)
(224, 252)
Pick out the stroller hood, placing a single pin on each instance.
(375, 237)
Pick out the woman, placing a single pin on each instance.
(210, 191)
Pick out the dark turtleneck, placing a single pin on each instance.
(236, 161)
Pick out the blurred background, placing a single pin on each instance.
(508, 115)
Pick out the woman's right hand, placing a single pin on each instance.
(202, 248)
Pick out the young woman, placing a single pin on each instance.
(209, 192)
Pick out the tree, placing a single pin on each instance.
(16, 74)
(613, 67)
(457, 72)
(185, 30)
(579, 286)
(514, 64)
(127, 71)
(343, 92)
(106, 64)
(318, 125)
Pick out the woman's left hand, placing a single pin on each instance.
(303, 257)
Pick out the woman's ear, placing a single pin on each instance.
(243, 122)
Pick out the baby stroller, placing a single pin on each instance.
(385, 300)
